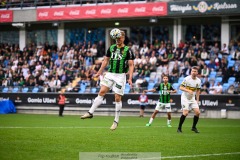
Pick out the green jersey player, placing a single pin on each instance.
(165, 89)
(120, 59)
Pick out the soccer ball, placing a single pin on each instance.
(115, 33)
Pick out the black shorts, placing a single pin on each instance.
(142, 107)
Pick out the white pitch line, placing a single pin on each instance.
(201, 155)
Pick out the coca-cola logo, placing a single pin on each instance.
(122, 10)
(141, 9)
(74, 12)
(106, 11)
(157, 9)
(90, 12)
(58, 13)
(43, 14)
(5, 16)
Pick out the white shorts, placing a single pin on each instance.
(163, 107)
(115, 81)
(188, 104)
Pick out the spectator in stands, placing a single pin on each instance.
(211, 65)
(206, 82)
(146, 71)
(205, 71)
(153, 58)
(204, 90)
(144, 49)
(137, 60)
(204, 55)
(214, 50)
(232, 72)
(231, 90)
(237, 89)
(225, 50)
(175, 74)
(216, 89)
(181, 44)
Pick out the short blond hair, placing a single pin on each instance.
(122, 33)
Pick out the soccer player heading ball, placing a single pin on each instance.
(120, 58)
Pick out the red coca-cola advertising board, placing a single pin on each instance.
(103, 11)
(6, 16)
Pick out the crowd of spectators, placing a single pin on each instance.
(50, 67)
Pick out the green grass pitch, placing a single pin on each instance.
(49, 137)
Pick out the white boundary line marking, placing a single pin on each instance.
(201, 155)
(189, 156)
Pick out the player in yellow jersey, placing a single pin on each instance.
(190, 98)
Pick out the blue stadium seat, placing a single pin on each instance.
(127, 88)
(231, 80)
(93, 90)
(35, 90)
(180, 79)
(207, 62)
(218, 79)
(231, 63)
(25, 90)
(212, 74)
(147, 79)
(179, 91)
(175, 85)
(15, 90)
(225, 87)
(5, 90)
(150, 85)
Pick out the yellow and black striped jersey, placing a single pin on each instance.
(191, 84)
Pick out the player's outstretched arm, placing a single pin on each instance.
(103, 66)
(151, 90)
(130, 72)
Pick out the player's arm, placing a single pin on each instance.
(183, 88)
(103, 66)
(130, 58)
(130, 71)
(198, 95)
(172, 90)
(150, 90)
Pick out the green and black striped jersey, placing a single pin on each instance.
(164, 94)
(119, 58)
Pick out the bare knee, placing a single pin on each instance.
(197, 113)
(185, 112)
(118, 98)
(103, 91)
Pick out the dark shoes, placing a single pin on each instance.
(195, 130)
(179, 130)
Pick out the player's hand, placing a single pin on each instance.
(130, 82)
(190, 92)
(97, 75)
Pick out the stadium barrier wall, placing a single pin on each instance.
(46, 103)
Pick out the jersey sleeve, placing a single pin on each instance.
(108, 54)
(171, 88)
(184, 82)
(130, 55)
(158, 88)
